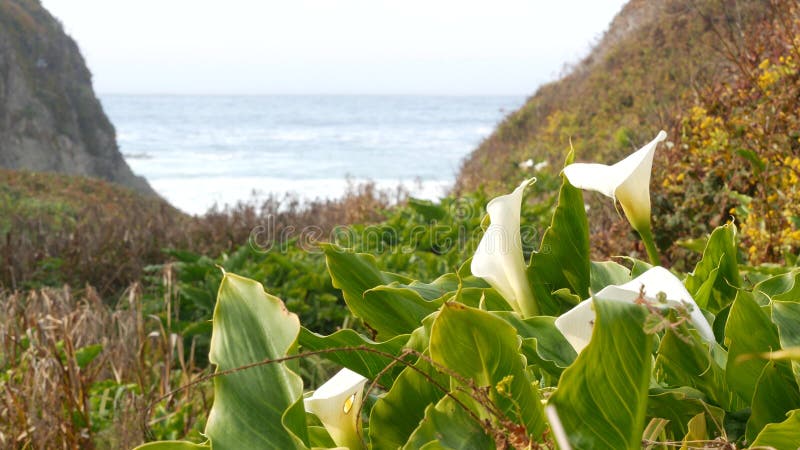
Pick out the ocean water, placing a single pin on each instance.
(197, 151)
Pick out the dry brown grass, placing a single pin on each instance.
(62, 230)
(53, 398)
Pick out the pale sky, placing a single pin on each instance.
(452, 47)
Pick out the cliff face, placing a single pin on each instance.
(50, 119)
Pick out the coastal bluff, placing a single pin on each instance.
(50, 118)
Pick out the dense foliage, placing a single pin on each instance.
(453, 364)
(388, 290)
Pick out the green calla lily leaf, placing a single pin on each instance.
(786, 316)
(494, 349)
(601, 398)
(697, 430)
(398, 413)
(780, 436)
(693, 364)
(783, 287)
(679, 406)
(447, 425)
(389, 310)
(562, 260)
(606, 273)
(393, 311)
(776, 393)
(748, 332)
(719, 255)
(542, 343)
(260, 407)
(365, 363)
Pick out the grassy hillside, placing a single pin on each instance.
(60, 229)
(720, 76)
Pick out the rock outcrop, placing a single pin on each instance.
(50, 119)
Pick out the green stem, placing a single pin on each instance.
(650, 246)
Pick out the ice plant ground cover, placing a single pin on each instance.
(457, 362)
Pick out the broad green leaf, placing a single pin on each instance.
(376, 297)
(260, 407)
(367, 364)
(607, 273)
(446, 283)
(542, 343)
(566, 297)
(679, 405)
(697, 431)
(748, 332)
(449, 426)
(783, 287)
(720, 320)
(319, 437)
(487, 299)
(780, 436)
(393, 311)
(354, 274)
(562, 260)
(705, 292)
(786, 316)
(173, 445)
(397, 413)
(720, 255)
(421, 337)
(485, 349)
(602, 397)
(776, 393)
(654, 432)
(694, 364)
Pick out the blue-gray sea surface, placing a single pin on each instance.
(200, 150)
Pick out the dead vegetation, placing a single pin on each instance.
(77, 373)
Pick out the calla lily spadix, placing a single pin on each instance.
(498, 258)
(576, 324)
(337, 404)
(627, 181)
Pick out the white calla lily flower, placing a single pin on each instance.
(337, 404)
(498, 258)
(576, 324)
(627, 181)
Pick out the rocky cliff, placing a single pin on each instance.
(50, 119)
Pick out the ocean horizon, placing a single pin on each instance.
(198, 151)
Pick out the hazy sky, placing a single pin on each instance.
(331, 46)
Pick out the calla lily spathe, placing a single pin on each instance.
(337, 404)
(498, 258)
(576, 324)
(627, 181)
